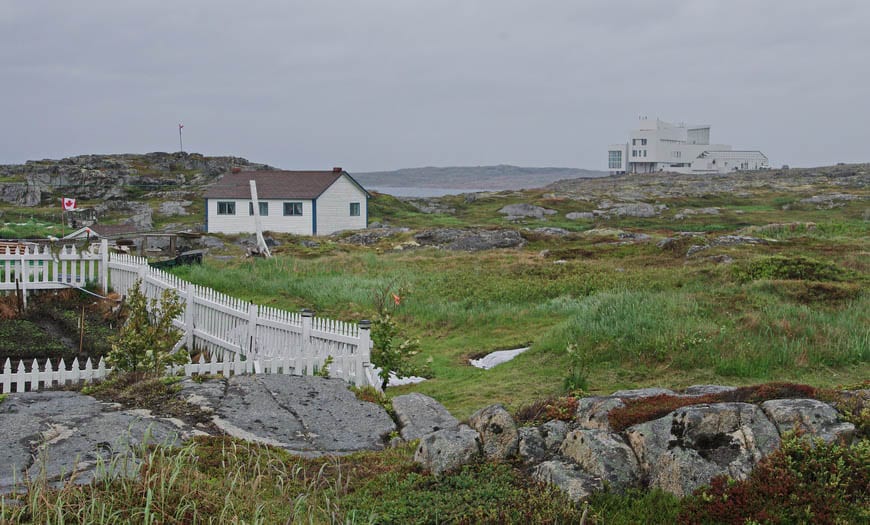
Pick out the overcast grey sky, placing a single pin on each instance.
(377, 84)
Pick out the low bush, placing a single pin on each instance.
(788, 267)
(539, 412)
(802, 482)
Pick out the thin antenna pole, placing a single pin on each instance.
(180, 143)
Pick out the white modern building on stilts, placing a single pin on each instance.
(657, 145)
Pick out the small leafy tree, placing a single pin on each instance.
(147, 338)
(392, 349)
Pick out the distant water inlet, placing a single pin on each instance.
(397, 191)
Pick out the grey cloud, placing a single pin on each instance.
(388, 84)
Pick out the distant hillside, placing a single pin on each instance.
(501, 177)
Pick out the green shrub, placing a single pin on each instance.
(788, 267)
(803, 482)
(148, 336)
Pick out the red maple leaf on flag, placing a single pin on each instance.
(68, 204)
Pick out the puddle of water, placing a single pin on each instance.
(496, 358)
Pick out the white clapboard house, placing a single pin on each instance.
(300, 202)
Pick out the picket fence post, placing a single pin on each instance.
(307, 346)
(104, 265)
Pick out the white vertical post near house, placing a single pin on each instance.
(258, 224)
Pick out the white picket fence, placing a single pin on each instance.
(225, 329)
(59, 374)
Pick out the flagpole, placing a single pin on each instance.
(180, 143)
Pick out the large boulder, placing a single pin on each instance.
(530, 446)
(470, 240)
(810, 417)
(59, 436)
(593, 412)
(498, 431)
(580, 215)
(638, 393)
(603, 454)
(702, 390)
(520, 211)
(448, 449)
(419, 415)
(569, 478)
(539, 443)
(685, 449)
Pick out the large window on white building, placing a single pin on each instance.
(292, 209)
(614, 159)
(226, 208)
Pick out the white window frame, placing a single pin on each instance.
(355, 206)
(293, 207)
(226, 207)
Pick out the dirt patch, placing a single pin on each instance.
(51, 327)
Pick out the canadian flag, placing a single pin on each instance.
(69, 204)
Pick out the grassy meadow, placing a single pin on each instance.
(795, 308)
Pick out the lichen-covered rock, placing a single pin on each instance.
(592, 412)
(603, 454)
(554, 433)
(812, 418)
(419, 415)
(531, 447)
(470, 240)
(701, 390)
(498, 431)
(519, 211)
(580, 215)
(685, 449)
(569, 478)
(642, 392)
(448, 449)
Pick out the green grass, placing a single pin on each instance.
(642, 315)
(222, 480)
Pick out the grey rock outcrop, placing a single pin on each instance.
(643, 392)
(303, 414)
(569, 478)
(592, 412)
(419, 415)
(604, 455)
(685, 449)
(522, 211)
(553, 232)
(372, 236)
(537, 444)
(812, 418)
(448, 449)
(497, 430)
(174, 207)
(470, 240)
(58, 434)
(530, 445)
(580, 215)
(628, 209)
(700, 390)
